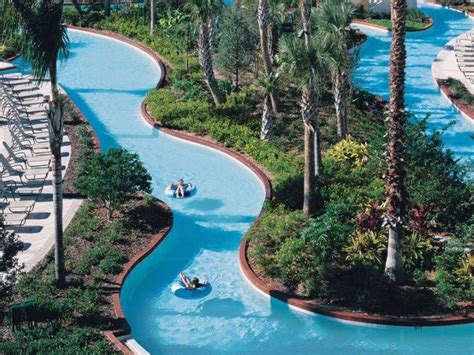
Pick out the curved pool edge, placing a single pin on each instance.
(346, 315)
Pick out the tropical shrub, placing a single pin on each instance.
(417, 253)
(10, 246)
(348, 151)
(366, 248)
(113, 177)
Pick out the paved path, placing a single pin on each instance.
(445, 65)
(38, 232)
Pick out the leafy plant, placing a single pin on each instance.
(112, 178)
(416, 252)
(371, 219)
(349, 151)
(366, 248)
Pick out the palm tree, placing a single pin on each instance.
(266, 30)
(334, 18)
(204, 12)
(268, 83)
(152, 16)
(43, 38)
(307, 62)
(305, 9)
(395, 189)
(277, 12)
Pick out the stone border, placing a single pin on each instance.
(250, 275)
(362, 22)
(464, 109)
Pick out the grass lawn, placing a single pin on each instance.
(411, 25)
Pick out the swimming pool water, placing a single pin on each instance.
(108, 80)
(422, 94)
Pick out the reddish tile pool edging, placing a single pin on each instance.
(458, 104)
(244, 264)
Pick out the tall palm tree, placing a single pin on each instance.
(305, 10)
(334, 18)
(43, 38)
(152, 16)
(307, 62)
(277, 12)
(204, 13)
(395, 189)
(266, 29)
(268, 83)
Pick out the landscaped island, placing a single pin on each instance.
(324, 234)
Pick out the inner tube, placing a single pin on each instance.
(170, 191)
(181, 291)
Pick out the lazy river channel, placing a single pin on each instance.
(108, 80)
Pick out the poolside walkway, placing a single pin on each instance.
(37, 233)
(445, 65)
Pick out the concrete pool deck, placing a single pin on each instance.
(37, 233)
(444, 67)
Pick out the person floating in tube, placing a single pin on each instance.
(192, 284)
(180, 189)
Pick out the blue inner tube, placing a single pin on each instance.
(170, 191)
(181, 291)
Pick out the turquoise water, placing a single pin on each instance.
(108, 80)
(422, 94)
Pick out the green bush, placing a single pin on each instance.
(276, 226)
(54, 339)
(112, 262)
(112, 178)
(92, 258)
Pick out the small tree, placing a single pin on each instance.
(237, 45)
(9, 266)
(111, 178)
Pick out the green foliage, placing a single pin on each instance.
(349, 151)
(113, 177)
(417, 252)
(237, 45)
(90, 259)
(435, 178)
(54, 339)
(454, 279)
(276, 226)
(459, 91)
(10, 246)
(366, 248)
(112, 262)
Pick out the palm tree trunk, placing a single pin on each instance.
(205, 58)
(395, 189)
(341, 97)
(152, 17)
(267, 119)
(263, 26)
(56, 140)
(305, 8)
(312, 153)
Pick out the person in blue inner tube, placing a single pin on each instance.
(193, 284)
(181, 188)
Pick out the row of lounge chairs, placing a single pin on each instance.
(464, 51)
(25, 161)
